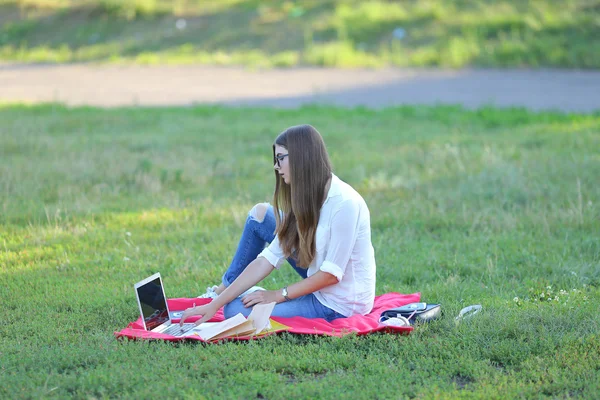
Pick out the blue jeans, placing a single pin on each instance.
(255, 236)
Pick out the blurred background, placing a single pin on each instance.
(335, 33)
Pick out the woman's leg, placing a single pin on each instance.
(306, 306)
(259, 231)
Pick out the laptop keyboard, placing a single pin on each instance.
(176, 330)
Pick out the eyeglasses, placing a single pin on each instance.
(279, 159)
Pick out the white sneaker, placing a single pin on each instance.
(210, 293)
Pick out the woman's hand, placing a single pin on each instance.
(262, 297)
(207, 311)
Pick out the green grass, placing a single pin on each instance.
(491, 207)
(340, 33)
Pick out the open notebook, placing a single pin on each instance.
(257, 322)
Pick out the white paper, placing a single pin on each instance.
(260, 315)
(221, 327)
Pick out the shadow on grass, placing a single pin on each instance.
(323, 33)
(112, 34)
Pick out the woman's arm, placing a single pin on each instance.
(343, 236)
(255, 272)
(311, 284)
(306, 286)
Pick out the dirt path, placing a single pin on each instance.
(108, 86)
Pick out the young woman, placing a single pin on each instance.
(319, 224)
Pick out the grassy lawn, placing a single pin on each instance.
(499, 208)
(341, 33)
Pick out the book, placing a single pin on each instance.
(257, 323)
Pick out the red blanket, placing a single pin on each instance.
(360, 324)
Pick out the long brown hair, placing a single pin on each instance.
(301, 201)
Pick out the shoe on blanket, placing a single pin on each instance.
(210, 293)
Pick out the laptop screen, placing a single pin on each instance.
(153, 304)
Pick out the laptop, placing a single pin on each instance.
(154, 309)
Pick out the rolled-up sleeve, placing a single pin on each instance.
(344, 226)
(273, 253)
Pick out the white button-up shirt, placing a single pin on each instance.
(344, 249)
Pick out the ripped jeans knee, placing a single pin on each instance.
(259, 211)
